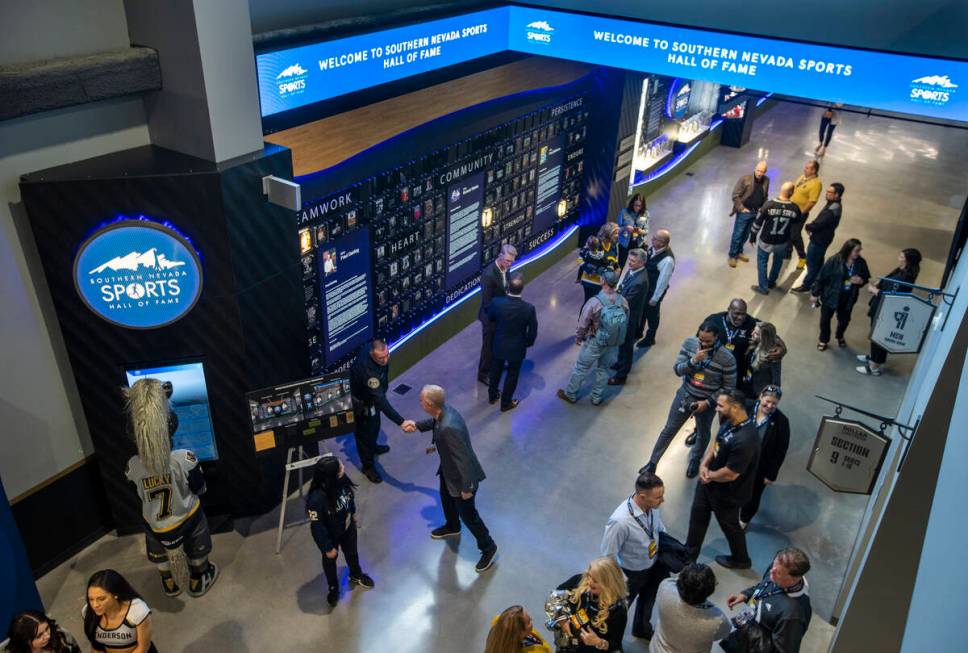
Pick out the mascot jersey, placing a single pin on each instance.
(168, 501)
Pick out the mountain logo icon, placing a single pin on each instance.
(135, 261)
(935, 80)
(292, 71)
(542, 25)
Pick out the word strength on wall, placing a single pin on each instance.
(293, 78)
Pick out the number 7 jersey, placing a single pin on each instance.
(167, 501)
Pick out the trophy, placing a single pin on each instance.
(559, 609)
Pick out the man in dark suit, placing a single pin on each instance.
(515, 329)
(634, 287)
(493, 284)
(459, 471)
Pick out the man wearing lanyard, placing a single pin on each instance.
(726, 481)
(632, 538)
(780, 602)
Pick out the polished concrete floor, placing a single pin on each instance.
(555, 472)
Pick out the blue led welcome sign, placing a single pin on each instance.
(138, 274)
(296, 77)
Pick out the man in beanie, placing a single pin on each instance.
(601, 329)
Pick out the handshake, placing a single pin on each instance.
(409, 426)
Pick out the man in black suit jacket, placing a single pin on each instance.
(460, 473)
(493, 284)
(774, 429)
(634, 287)
(515, 329)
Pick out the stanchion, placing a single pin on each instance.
(301, 463)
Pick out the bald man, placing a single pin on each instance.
(660, 262)
(749, 195)
(774, 227)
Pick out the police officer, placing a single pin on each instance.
(369, 379)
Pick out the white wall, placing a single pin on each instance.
(43, 430)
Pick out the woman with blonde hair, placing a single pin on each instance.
(513, 631)
(599, 607)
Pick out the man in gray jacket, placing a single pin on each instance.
(459, 471)
(707, 368)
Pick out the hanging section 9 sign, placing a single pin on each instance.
(138, 274)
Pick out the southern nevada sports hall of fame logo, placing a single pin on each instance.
(539, 31)
(932, 89)
(138, 274)
(292, 80)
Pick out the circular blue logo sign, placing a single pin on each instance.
(138, 274)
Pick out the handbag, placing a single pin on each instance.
(751, 637)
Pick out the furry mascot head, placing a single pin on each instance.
(146, 403)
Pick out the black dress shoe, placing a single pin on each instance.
(690, 439)
(492, 400)
(510, 406)
(648, 468)
(729, 563)
(692, 471)
(646, 634)
(800, 289)
(617, 380)
(333, 597)
(644, 343)
(485, 380)
(381, 448)
(372, 475)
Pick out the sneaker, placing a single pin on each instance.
(381, 448)
(169, 585)
(862, 358)
(333, 597)
(743, 524)
(363, 581)
(867, 370)
(564, 397)
(202, 583)
(693, 470)
(731, 262)
(800, 289)
(762, 291)
(801, 264)
(444, 531)
(372, 475)
(743, 257)
(730, 563)
(487, 559)
(597, 402)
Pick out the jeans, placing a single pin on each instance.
(674, 422)
(827, 314)
(457, 510)
(707, 502)
(826, 128)
(348, 544)
(592, 356)
(815, 254)
(762, 258)
(643, 586)
(510, 381)
(741, 233)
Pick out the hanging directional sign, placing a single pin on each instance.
(902, 322)
(847, 456)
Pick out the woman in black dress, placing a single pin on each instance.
(909, 266)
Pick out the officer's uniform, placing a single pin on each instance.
(368, 385)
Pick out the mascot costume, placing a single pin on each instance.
(168, 483)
